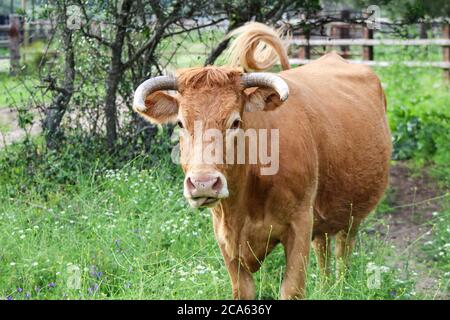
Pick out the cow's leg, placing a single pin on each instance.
(241, 279)
(322, 250)
(296, 246)
(345, 241)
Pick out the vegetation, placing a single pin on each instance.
(131, 235)
(408, 11)
(419, 116)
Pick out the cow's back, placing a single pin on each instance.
(346, 110)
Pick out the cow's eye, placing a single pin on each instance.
(236, 124)
(180, 124)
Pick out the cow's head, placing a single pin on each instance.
(209, 105)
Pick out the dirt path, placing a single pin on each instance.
(414, 200)
(9, 127)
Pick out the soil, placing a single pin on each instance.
(413, 198)
(9, 127)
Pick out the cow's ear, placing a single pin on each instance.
(261, 99)
(160, 108)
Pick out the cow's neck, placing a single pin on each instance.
(242, 187)
(244, 181)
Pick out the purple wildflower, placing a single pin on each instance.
(9, 298)
(92, 289)
(19, 290)
(52, 285)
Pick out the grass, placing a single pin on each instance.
(4, 126)
(419, 116)
(438, 247)
(128, 234)
(191, 50)
(16, 89)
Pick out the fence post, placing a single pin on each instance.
(334, 34)
(26, 32)
(446, 49)
(14, 44)
(304, 52)
(344, 33)
(423, 30)
(367, 50)
(31, 31)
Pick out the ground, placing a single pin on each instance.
(9, 127)
(413, 198)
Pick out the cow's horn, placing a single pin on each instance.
(262, 79)
(149, 86)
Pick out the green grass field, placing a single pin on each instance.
(16, 90)
(129, 234)
(13, 91)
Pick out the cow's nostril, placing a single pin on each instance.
(217, 186)
(202, 186)
(189, 184)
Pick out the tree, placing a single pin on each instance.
(55, 112)
(270, 12)
(131, 17)
(402, 11)
(123, 35)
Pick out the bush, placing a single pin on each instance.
(419, 114)
(31, 165)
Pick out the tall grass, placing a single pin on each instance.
(128, 233)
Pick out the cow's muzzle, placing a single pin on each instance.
(205, 189)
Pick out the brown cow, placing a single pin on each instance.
(334, 150)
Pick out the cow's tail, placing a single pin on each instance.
(258, 47)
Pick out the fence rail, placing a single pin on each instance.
(371, 42)
(19, 32)
(419, 64)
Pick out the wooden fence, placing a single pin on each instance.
(369, 44)
(17, 32)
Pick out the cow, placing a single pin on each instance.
(334, 149)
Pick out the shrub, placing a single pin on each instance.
(419, 114)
